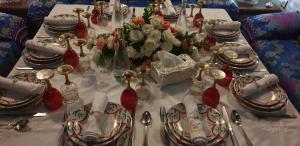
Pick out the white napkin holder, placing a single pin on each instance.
(171, 75)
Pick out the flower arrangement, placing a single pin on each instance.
(146, 35)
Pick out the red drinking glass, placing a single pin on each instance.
(129, 96)
(52, 98)
(211, 97)
(226, 81)
(95, 14)
(80, 28)
(197, 18)
(209, 42)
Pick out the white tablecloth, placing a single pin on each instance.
(46, 131)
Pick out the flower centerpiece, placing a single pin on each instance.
(145, 36)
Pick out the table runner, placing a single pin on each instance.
(47, 130)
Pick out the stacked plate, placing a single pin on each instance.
(247, 60)
(57, 30)
(268, 101)
(171, 17)
(13, 101)
(116, 123)
(124, 8)
(39, 60)
(224, 35)
(176, 126)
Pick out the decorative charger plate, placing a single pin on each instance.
(115, 123)
(177, 127)
(11, 100)
(272, 99)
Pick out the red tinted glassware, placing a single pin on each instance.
(129, 100)
(226, 81)
(52, 98)
(211, 97)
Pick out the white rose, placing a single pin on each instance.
(147, 28)
(156, 21)
(167, 46)
(169, 37)
(131, 52)
(136, 35)
(110, 42)
(156, 35)
(149, 46)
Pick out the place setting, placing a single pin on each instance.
(223, 30)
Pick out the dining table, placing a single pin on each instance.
(46, 131)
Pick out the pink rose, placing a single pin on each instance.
(101, 43)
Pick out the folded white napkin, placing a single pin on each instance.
(238, 49)
(168, 59)
(234, 25)
(196, 125)
(21, 86)
(265, 82)
(93, 129)
(61, 21)
(169, 7)
(47, 48)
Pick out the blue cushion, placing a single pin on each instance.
(38, 9)
(13, 28)
(282, 57)
(9, 55)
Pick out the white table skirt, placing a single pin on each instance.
(46, 131)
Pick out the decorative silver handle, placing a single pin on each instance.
(145, 142)
(233, 138)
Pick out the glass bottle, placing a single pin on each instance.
(102, 18)
(69, 90)
(117, 16)
(52, 98)
(182, 19)
(129, 97)
(211, 96)
(121, 60)
(70, 56)
(95, 13)
(80, 28)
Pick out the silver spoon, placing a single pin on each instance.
(146, 121)
(19, 125)
(236, 118)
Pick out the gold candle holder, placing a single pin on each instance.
(46, 75)
(87, 15)
(65, 70)
(80, 43)
(78, 11)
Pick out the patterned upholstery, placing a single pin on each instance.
(273, 26)
(274, 38)
(9, 55)
(13, 28)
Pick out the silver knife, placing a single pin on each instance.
(232, 136)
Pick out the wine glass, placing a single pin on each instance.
(69, 90)
(211, 96)
(88, 16)
(102, 68)
(198, 16)
(129, 97)
(52, 98)
(182, 19)
(81, 28)
(143, 88)
(84, 61)
(70, 56)
(198, 82)
(95, 13)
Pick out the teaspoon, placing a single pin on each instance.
(236, 118)
(146, 121)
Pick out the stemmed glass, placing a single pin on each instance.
(70, 56)
(69, 90)
(129, 97)
(95, 13)
(88, 16)
(52, 98)
(84, 61)
(211, 96)
(81, 28)
(182, 19)
(143, 88)
(198, 17)
(198, 83)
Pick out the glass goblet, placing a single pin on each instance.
(143, 88)
(70, 56)
(211, 96)
(129, 97)
(80, 28)
(69, 90)
(52, 98)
